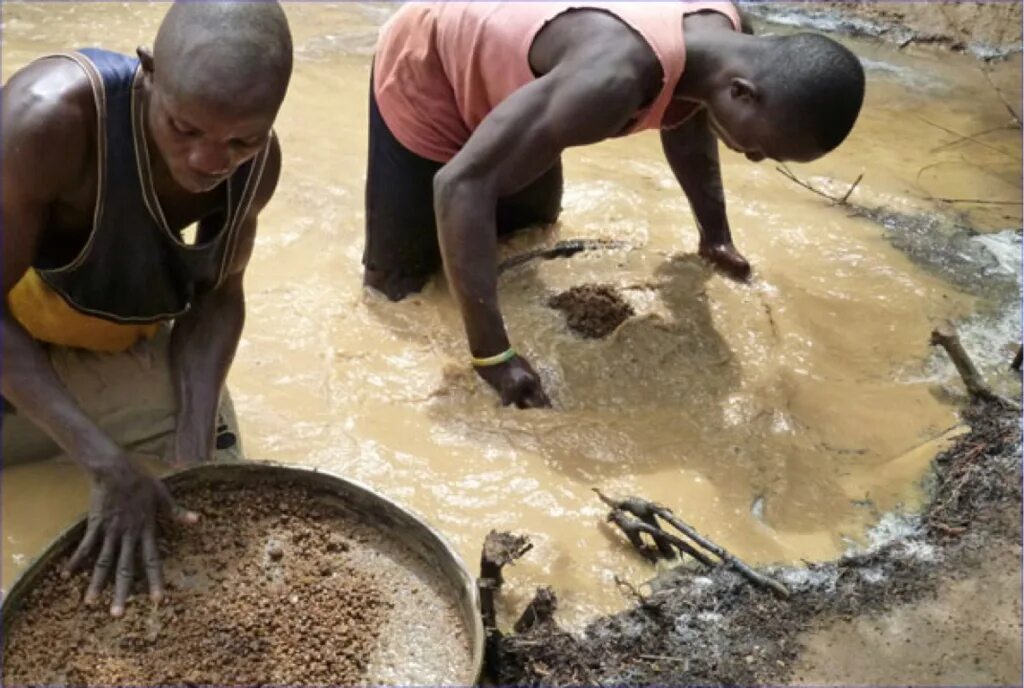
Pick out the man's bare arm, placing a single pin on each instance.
(205, 339)
(522, 138)
(692, 152)
(44, 153)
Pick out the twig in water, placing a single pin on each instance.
(853, 186)
(729, 559)
(835, 200)
(973, 201)
(563, 249)
(946, 336)
(631, 589)
(645, 513)
(999, 94)
(633, 528)
(969, 138)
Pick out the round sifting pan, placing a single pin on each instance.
(290, 561)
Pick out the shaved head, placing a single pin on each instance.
(234, 54)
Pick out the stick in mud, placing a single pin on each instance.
(730, 560)
(946, 336)
(500, 549)
(632, 528)
(643, 508)
(836, 200)
(540, 610)
(563, 249)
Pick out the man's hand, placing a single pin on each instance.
(517, 383)
(727, 260)
(123, 510)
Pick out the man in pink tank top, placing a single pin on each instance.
(473, 103)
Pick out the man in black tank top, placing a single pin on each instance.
(106, 160)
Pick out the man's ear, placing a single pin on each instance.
(744, 90)
(146, 59)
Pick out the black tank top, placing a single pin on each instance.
(134, 268)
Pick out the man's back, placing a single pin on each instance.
(441, 68)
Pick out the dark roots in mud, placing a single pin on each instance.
(715, 628)
(592, 310)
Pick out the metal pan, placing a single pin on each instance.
(391, 519)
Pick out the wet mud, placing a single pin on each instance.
(274, 585)
(847, 620)
(787, 415)
(592, 311)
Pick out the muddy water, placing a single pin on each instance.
(779, 418)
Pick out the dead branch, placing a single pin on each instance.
(632, 528)
(562, 249)
(1002, 98)
(644, 511)
(631, 589)
(1018, 359)
(500, 549)
(730, 560)
(835, 200)
(853, 186)
(969, 138)
(972, 201)
(540, 610)
(983, 132)
(945, 335)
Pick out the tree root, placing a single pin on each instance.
(946, 336)
(649, 511)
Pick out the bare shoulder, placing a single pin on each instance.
(712, 20)
(49, 120)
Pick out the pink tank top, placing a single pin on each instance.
(441, 67)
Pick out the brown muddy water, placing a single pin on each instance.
(780, 418)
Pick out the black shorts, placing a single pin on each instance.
(402, 250)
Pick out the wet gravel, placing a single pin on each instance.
(270, 587)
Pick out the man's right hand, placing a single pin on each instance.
(517, 383)
(122, 514)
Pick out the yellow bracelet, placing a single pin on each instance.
(497, 359)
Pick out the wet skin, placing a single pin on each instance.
(49, 194)
(587, 91)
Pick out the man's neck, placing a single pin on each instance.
(713, 57)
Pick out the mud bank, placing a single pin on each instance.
(896, 612)
(985, 29)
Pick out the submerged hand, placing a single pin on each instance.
(727, 260)
(517, 383)
(125, 502)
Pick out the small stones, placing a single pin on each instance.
(236, 621)
(592, 311)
